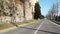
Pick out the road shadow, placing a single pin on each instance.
(14, 24)
(39, 30)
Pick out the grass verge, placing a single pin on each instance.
(57, 22)
(8, 25)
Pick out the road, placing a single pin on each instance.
(40, 27)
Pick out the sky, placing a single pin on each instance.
(46, 5)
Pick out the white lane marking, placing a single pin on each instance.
(39, 27)
(8, 29)
(54, 23)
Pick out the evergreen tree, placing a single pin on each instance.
(37, 13)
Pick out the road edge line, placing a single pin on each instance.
(54, 23)
(39, 27)
(8, 29)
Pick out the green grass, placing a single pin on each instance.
(8, 25)
(57, 22)
(25, 22)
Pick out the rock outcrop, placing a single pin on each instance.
(15, 10)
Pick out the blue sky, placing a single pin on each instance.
(46, 5)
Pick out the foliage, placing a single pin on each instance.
(8, 25)
(41, 17)
(37, 13)
(57, 18)
(52, 12)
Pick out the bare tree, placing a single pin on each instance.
(52, 12)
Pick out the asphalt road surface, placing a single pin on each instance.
(40, 27)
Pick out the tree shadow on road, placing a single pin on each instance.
(14, 24)
(39, 30)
